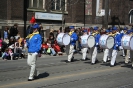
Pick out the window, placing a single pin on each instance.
(37, 4)
(58, 5)
(131, 16)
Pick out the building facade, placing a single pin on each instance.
(56, 13)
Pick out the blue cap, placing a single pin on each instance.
(85, 30)
(110, 30)
(129, 31)
(114, 28)
(35, 26)
(71, 27)
(107, 31)
(125, 28)
(95, 28)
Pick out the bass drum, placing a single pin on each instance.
(84, 41)
(63, 39)
(91, 41)
(127, 42)
(106, 41)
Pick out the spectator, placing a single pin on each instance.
(44, 47)
(11, 43)
(6, 40)
(5, 55)
(6, 33)
(51, 34)
(13, 56)
(50, 50)
(14, 30)
(18, 48)
(51, 39)
(24, 48)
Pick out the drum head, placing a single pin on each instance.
(131, 43)
(91, 41)
(66, 39)
(126, 42)
(59, 38)
(110, 42)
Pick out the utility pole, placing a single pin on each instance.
(84, 12)
(63, 18)
(106, 14)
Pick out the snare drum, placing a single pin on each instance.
(63, 39)
(127, 42)
(106, 41)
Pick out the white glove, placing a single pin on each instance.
(96, 43)
(116, 45)
(120, 48)
(36, 53)
(71, 39)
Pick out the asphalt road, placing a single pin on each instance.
(55, 73)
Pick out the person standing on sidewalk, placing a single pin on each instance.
(34, 46)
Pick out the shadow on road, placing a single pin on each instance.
(43, 75)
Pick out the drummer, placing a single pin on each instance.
(84, 49)
(117, 43)
(106, 51)
(123, 32)
(131, 52)
(127, 57)
(93, 50)
(110, 50)
(70, 47)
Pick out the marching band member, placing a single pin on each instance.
(131, 52)
(106, 51)
(94, 49)
(110, 50)
(70, 48)
(117, 43)
(129, 32)
(123, 32)
(34, 46)
(84, 49)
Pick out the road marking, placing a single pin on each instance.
(58, 77)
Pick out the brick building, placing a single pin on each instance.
(75, 12)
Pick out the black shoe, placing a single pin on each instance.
(108, 60)
(92, 63)
(132, 68)
(126, 64)
(87, 58)
(111, 65)
(96, 61)
(104, 62)
(82, 60)
(35, 77)
(72, 60)
(30, 79)
(68, 61)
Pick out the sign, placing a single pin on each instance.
(102, 12)
(48, 16)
